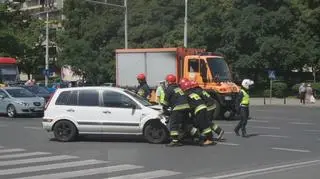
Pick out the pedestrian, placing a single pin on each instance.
(302, 93)
(309, 93)
(160, 92)
(175, 99)
(243, 102)
(143, 89)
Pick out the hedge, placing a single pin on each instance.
(279, 90)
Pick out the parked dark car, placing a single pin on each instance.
(39, 91)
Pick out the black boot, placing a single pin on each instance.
(236, 130)
(174, 143)
(244, 133)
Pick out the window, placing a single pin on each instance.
(3, 94)
(193, 65)
(116, 100)
(20, 93)
(88, 98)
(67, 98)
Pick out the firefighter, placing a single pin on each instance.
(243, 101)
(175, 99)
(210, 108)
(199, 111)
(143, 89)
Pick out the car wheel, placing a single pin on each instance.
(65, 131)
(155, 133)
(11, 111)
(217, 111)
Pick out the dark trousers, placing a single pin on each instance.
(303, 97)
(175, 122)
(244, 115)
(203, 123)
(217, 129)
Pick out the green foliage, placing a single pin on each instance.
(279, 90)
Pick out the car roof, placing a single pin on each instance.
(92, 88)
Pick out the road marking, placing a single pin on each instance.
(226, 143)
(261, 121)
(49, 167)
(147, 175)
(290, 150)
(23, 155)
(36, 128)
(81, 173)
(11, 150)
(263, 127)
(228, 132)
(301, 123)
(225, 124)
(264, 169)
(36, 160)
(312, 130)
(276, 136)
(3, 125)
(275, 171)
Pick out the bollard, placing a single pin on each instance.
(284, 100)
(264, 100)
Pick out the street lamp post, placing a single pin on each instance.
(125, 17)
(47, 50)
(185, 24)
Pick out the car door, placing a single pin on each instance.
(118, 114)
(4, 101)
(82, 106)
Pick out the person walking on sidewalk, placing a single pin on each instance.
(243, 102)
(302, 93)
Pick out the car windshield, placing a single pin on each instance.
(38, 90)
(139, 98)
(20, 93)
(219, 68)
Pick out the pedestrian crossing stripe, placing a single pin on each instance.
(11, 161)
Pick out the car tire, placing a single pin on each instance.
(11, 111)
(217, 111)
(156, 133)
(65, 131)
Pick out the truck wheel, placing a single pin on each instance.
(217, 111)
(155, 133)
(65, 131)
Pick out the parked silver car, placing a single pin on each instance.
(17, 100)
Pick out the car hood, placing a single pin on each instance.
(156, 107)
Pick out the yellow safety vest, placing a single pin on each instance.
(161, 95)
(245, 99)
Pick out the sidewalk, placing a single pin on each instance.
(281, 101)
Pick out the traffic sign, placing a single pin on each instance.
(272, 74)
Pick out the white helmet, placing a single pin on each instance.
(246, 83)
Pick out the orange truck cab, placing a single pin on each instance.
(210, 70)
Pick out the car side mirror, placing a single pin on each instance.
(1, 96)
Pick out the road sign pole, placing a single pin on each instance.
(270, 90)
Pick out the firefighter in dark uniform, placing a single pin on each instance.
(178, 102)
(243, 101)
(210, 108)
(199, 111)
(143, 89)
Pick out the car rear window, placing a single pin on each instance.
(79, 98)
(67, 98)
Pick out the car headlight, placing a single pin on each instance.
(22, 103)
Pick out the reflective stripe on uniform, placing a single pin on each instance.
(214, 127)
(212, 107)
(161, 95)
(246, 98)
(181, 107)
(200, 107)
(174, 133)
(141, 92)
(206, 131)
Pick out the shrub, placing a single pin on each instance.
(279, 90)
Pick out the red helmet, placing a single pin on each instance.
(194, 84)
(182, 80)
(185, 86)
(141, 76)
(171, 79)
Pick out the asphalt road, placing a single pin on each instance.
(284, 143)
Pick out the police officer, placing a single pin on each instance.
(199, 110)
(178, 102)
(210, 107)
(143, 89)
(160, 92)
(243, 101)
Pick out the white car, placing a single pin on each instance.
(102, 110)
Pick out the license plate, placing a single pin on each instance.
(228, 98)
